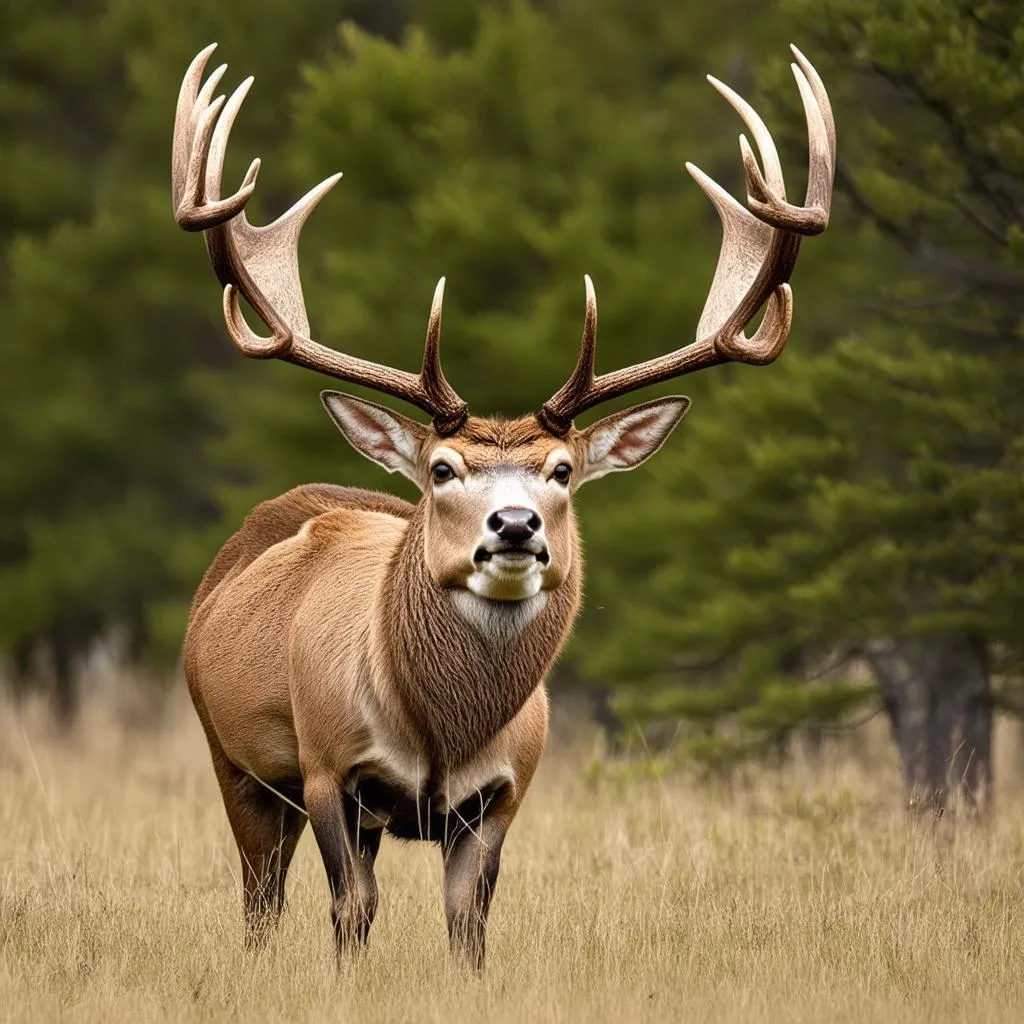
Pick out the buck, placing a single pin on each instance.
(379, 666)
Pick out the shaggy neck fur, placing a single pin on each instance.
(463, 670)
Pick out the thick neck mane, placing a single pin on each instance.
(462, 682)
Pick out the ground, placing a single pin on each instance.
(625, 895)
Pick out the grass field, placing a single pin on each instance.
(801, 896)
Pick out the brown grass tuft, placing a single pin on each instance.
(625, 896)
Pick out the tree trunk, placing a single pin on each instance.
(975, 750)
(939, 702)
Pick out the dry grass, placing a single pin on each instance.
(802, 897)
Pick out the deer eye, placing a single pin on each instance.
(442, 472)
(562, 472)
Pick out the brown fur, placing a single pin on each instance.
(457, 689)
(328, 579)
(346, 652)
(273, 521)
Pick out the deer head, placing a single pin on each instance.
(498, 493)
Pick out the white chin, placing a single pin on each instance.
(506, 580)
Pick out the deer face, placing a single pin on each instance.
(498, 493)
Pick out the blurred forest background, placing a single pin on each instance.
(837, 536)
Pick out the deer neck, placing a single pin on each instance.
(463, 666)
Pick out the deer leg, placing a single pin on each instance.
(348, 854)
(472, 857)
(266, 831)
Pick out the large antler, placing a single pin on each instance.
(759, 249)
(261, 263)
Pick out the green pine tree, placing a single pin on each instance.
(860, 503)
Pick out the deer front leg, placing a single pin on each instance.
(472, 857)
(348, 855)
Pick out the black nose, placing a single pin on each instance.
(514, 525)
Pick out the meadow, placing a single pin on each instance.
(628, 893)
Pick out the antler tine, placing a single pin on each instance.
(760, 244)
(195, 120)
(582, 377)
(218, 148)
(451, 410)
(820, 96)
(260, 263)
(771, 181)
(821, 129)
(184, 126)
(432, 348)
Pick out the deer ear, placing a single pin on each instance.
(625, 439)
(383, 436)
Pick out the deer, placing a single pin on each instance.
(377, 666)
